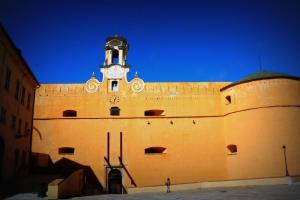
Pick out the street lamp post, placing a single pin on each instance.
(286, 167)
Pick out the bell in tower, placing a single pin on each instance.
(115, 68)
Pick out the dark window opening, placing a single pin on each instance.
(17, 90)
(232, 149)
(115, 111)
(13, 121)
(28, 101)
(3, 115)
(154, 150)
(154, 112)
(7, 79)
(114, 86)
(115, 57)
(22, 95)
(228, 99)
(19, 127)
(70, 113)
(66, 150)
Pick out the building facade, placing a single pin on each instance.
(17, 92)
(136, 134)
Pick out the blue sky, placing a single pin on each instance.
(170, 41)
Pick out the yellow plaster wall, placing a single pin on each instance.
(258, 120)
(263, 116)
(194, 142)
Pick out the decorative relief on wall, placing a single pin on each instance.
(92, 85)
(137, 85)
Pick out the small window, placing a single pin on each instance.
(7, 79)
(228, 99)
(115, 111)
(3, 115)
(155, 150)
(19, 127)
(70, 113)
(66, 150)
(232, 149)
(114, 86)
(13, 121)
(23, 95)
(17, 90)
(28, 101)
(154, 113)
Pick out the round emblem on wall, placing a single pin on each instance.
(114, 99)
(137, 85)
(91, 86)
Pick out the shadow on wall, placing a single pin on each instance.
(91, 184)
(42, 165)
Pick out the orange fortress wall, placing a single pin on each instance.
(194, 122)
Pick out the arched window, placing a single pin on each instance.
(115, 111)
(115, 56)
(155, 150)
(232, 149)
(154, 112)
(66, 150)
(70, 113)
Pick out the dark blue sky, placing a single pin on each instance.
(62, 40)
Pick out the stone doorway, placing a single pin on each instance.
(114, 182)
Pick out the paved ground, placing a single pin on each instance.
(276, 192)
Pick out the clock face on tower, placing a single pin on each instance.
(115, 72)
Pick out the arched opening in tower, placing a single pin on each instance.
(115, 56)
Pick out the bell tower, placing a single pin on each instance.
(115, 68)
(116, 50)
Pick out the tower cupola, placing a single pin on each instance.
(115, 69)
(116, 50)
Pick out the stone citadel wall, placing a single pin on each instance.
(198, 124)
